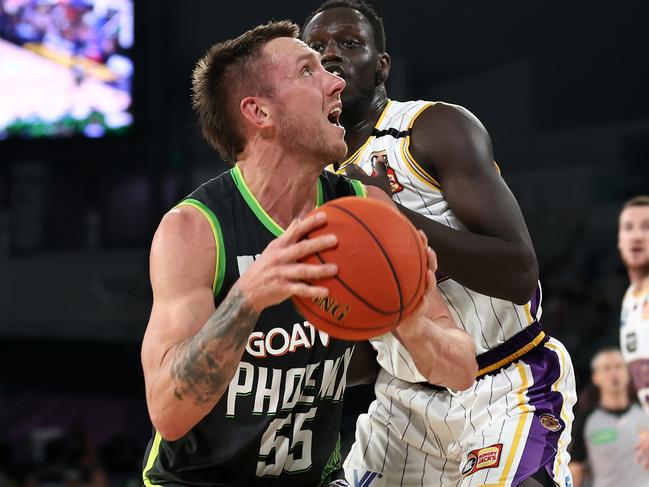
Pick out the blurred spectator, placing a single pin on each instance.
(605, 440)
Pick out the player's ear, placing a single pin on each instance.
(255, 111)
(382, 68)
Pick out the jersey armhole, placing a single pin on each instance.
(219, 270)
(410, 160)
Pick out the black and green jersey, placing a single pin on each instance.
(278, 422)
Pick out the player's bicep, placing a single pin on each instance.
(455, 147)
(182, 269)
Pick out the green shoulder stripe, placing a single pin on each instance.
(153, 454)
(219, 271)
(359, 188)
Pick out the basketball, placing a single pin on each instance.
(382, 267)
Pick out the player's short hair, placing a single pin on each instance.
(640, 200)
(364, 8)
(600, 352)
(230, 71)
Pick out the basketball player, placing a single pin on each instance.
(511, 428)
(633, 244)
(240, 389)
(604, 442)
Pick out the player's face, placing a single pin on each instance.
(307, 103)
(345, 40)
(633, 237)
(611, 374)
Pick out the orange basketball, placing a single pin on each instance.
(382, 268)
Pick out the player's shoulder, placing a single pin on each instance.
(445, 116)
(190, 220)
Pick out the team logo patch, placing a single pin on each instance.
(488, 457)
(550, 422)
(381, 157)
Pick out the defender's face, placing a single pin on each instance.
(345, 40)
(633, 237)
(306, 104)
(610, 374)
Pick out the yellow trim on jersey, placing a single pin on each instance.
(497, 167)
(413, 169)
(356, 155)
(410, 159)
(153, 454)
(555, 387)
(517, 354)
(522, 404)
(528, 314)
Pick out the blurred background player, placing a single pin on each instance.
(604, 441)
(633, 244)
(435, 160)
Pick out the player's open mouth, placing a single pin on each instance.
(334, 116)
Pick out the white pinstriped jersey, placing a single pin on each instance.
(490, 321)
(634, 340)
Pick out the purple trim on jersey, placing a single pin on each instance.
(535, 301)
(542, 442)
(511, 346)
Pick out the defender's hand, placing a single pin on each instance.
(379, 178)
(277, 274)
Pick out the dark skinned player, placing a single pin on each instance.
(435, 160)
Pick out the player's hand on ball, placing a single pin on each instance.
(379, 177)
(277, 274)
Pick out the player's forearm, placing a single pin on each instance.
(197, 371)
(488, 265)
(444, 355)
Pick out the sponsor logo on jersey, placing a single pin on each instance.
(381, 157)
(603, 436)
(333, 308)
(278, 341)
(631, 342)
(550, 422)
(488, 457)
(366, 479)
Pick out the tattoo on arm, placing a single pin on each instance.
(204, 364)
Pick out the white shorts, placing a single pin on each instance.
(501, 431)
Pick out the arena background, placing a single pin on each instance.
(561, 87)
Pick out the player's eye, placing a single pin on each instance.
(316, 46)
(306, 71)
(350, 43)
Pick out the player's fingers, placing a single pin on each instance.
(423, 237)
(309, 246)
(299, 228)
(355, 172)
(432, 259)
(307, 272)
(306, 291)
